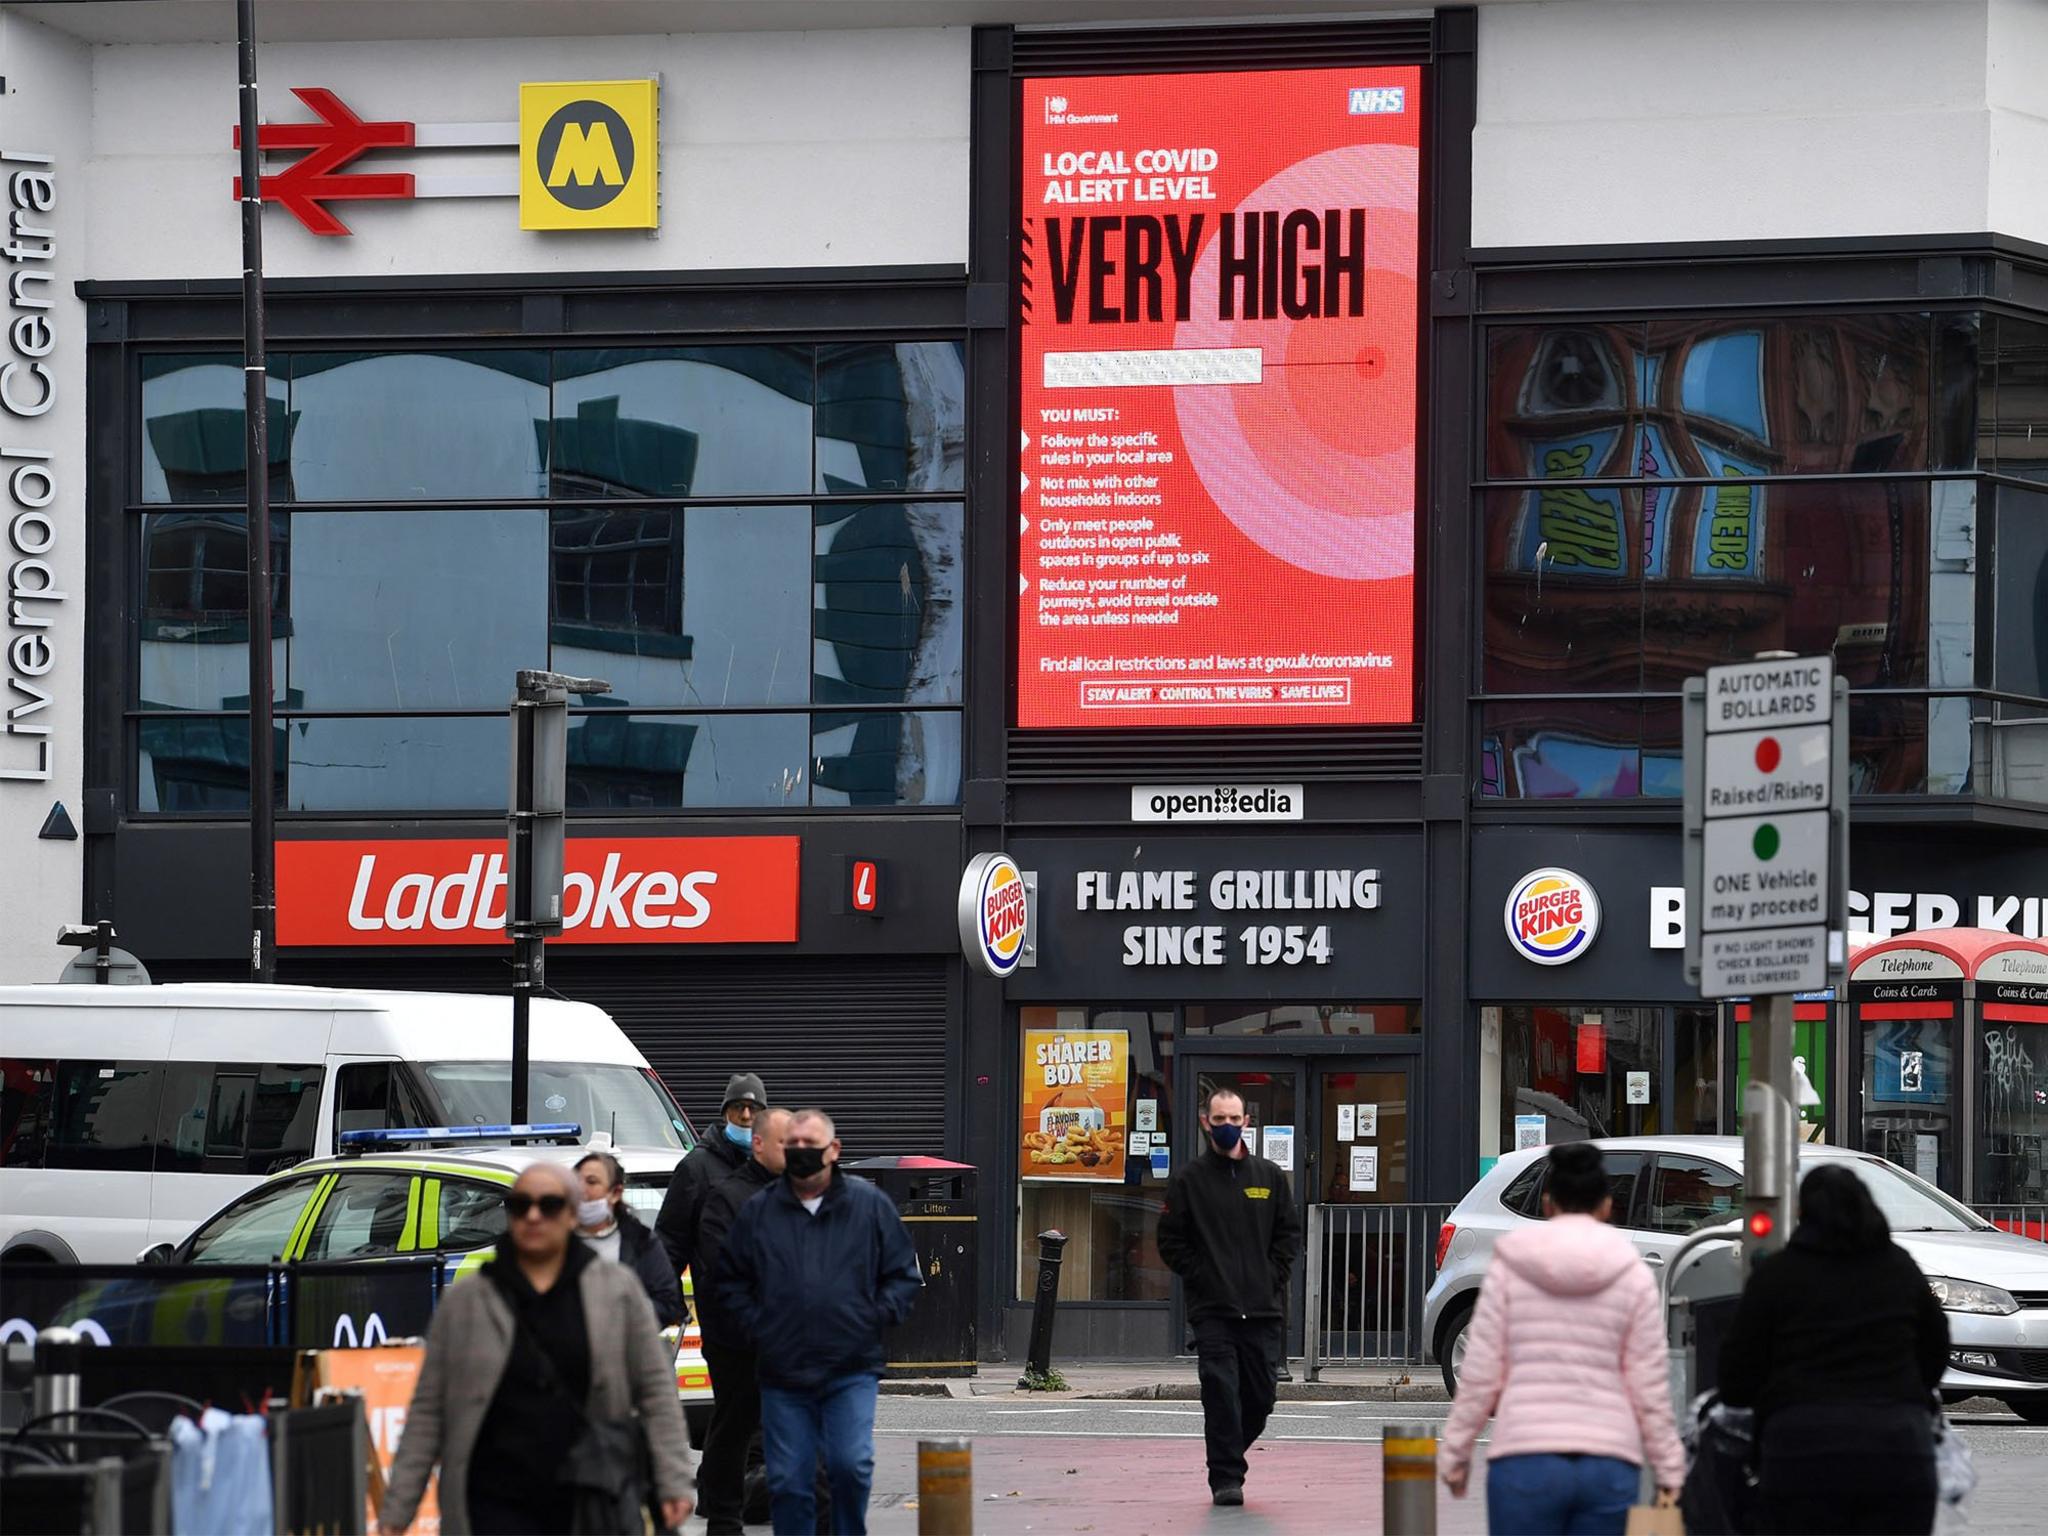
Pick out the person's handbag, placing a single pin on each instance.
(1659, 1519)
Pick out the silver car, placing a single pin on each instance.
(1994, 1285)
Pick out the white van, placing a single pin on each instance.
(130, 1114)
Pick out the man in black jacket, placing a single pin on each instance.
(736, 1400)
(1229, 1231)
(712, 1161)
(815, 1268)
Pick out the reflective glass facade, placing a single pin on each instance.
(758, 546)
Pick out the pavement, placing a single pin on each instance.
(1174, 1381)
(1132, 1466)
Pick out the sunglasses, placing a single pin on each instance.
(519, 1204)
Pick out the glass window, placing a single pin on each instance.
(1888, 746)
(1302, 1019)
(2012, 1114)
(1810, 1069)
(1687, 1193)
(183, 1117)
(2021, 444)
(2020, 659)
(1564, 587)
(363, 1218)
(255, 1229)
(1112, 1229)
(1696, 1072)
(283, 1113)
(892, 416)
(1624, 1174)
(194, 632)
(1958, 340)
(1565, 402)
(1586, 1072)
(683, 421)
(401, 763)
(619, 761)
(888, 620)
(615, 591)
(1580, 750)
(1908, 1103)
(194, 432)
(408, 426)
(25, 1094)
(473, 1215)
(628, 1103)
(106, 1115)
(885, 759)
(1524, 1194)
(200, 765)
(416, 610)
(227, 1122)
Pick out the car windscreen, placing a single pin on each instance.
(628, 1102)
(1909, 1204)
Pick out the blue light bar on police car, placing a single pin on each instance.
(364, 1140)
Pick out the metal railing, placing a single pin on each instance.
(2027, 1218)
(1368, 1269)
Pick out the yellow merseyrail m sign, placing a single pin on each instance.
(588, 153)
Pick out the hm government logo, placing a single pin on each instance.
(587, 155)
(1056, 112)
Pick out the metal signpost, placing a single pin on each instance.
(1766, 881)
(536, 835)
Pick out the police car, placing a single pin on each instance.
(422, 1192)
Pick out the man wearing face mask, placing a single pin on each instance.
(712, 1161)
(816, 1266)
(736, 1402)
(1230, 1233)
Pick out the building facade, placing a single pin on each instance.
(850, 476)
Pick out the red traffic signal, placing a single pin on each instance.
(1761, 1224)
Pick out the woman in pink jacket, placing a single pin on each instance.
(1567, 1354)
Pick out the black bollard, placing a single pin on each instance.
(1039, 1363)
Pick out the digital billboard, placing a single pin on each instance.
(1218, 317)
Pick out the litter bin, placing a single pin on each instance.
(936, 1199)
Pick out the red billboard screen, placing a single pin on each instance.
(1217, 399)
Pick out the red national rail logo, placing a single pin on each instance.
(451, 891)
(331, 144)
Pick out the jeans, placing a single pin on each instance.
(735, 1415)
(1234, 1360)
(1553, 1495)
(838, 1418)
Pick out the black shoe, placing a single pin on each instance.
(1229, 1493)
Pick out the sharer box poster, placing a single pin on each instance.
(1219, 316)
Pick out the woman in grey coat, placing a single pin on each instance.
(543, 1340)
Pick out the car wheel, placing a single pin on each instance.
(1450, 1349)
(2031, 1406)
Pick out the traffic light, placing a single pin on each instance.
(1770, 1170)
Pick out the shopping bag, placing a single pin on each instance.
(1659, 1519)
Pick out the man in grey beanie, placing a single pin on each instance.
(714, 1159)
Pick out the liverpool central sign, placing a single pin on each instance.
(588, 157)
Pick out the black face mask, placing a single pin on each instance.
(804, 1162)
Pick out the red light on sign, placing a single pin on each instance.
(1761, 1225)
(1768, 755)
(867, 886)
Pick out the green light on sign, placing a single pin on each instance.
(1765, 843)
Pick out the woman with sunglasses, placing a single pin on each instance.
(543, 1341)
(607, 1223)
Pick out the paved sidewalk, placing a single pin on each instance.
(1174, 1381)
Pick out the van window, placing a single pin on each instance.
(106, 1115)
(236, 1117)
(25, 1093)
(376, 1096)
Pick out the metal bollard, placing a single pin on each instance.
(1051, 1245)
(56, 1379)
(1408, 1479)
(945, 1488)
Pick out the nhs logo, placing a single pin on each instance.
(1369, 99)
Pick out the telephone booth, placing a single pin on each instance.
(1949, 1047)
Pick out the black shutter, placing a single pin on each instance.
(862, 1039)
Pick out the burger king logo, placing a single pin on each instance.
(993, 913)
(1552, 916)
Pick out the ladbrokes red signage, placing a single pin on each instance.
(629, 890)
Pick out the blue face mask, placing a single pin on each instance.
(1226, 1137)
(739, 1135)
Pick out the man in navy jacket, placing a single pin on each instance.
(815, 1267)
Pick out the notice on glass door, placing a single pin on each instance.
(1365, 1170)
(1280, 1146)
(1368, 1118)
(1347, 1122)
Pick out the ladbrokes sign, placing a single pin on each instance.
(451, 891)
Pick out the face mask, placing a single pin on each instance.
(593, 1213)
(1226, 1137)
(739, 1135)
(804, 1162)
